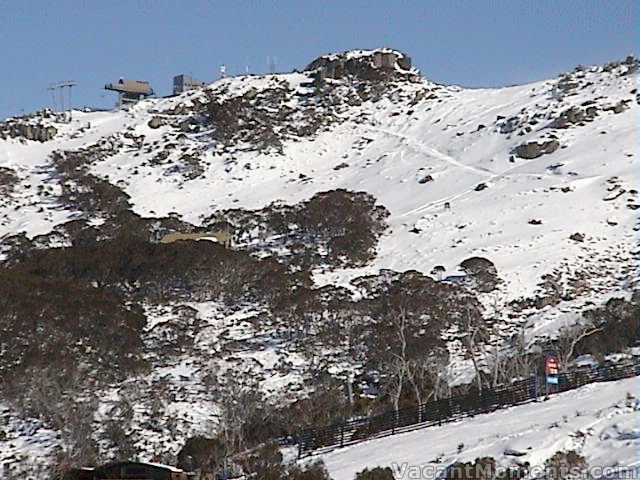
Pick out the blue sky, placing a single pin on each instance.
(472, 43)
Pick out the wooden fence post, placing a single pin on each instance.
(395, 421)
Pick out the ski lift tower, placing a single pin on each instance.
(59, 88)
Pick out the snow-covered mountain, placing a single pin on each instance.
(415, 146)
(541, 180)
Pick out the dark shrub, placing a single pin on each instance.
(619, 321)
(482, 272)
(482, 469)
(377, 473)
(264, 463)
(65, 324)
(338, 228)
(314, 471)
(201, 453)
(565, 465)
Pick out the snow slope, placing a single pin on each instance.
(33, 207)
(599, 421)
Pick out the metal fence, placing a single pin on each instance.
(449, 409)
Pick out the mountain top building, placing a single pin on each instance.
(183, 83)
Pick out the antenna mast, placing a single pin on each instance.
(272, 64)
(53, 97)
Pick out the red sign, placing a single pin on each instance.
(552, 366)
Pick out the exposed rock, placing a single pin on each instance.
(8, 180)
(480, 187)
(341, 166)
(566, 84)
(372, 65)
(25, 129)
(155, 122)
(195, 106)
(535, 221)
(438, 271)
(425, 179)
(533, 150)
(591, 111)
(573, 116)
(509, 125)
(190, 124)
(619, 107)
(577, 237)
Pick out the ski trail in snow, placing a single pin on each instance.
(416, 145)
(490, 176)
(412, 143)
(434, 203)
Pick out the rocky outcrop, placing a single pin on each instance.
(8, 180)
(533, 150)
(577, 237)
(369, 65)
(619, 107)
(523, 122)
(586, 113)
(30, 131)
(572, 116)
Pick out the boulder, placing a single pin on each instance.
(340, 166)
(510, 125)
(575, 115)
(577, 237)
(155, 122)
(569, 117)
(425, 179)
(619, 107)
(591, 111)
(533, 150)
(44, 134)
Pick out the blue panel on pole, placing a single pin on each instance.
(552, 380)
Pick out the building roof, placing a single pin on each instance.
(148, 464)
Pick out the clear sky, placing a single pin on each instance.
(467, 42)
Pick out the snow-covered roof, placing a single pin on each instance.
(165, 467)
